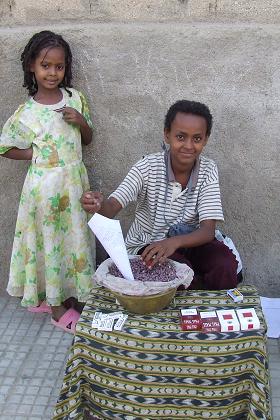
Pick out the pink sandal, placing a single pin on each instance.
(68, 321)
(43, 307)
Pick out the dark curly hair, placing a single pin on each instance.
(188, 107)
(39, 41)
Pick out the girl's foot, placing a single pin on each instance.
(70, 302)
(79, 306)
(67, 322)
(58, 312)
(75, 304)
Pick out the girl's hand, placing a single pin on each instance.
(72, 116)
(91, 201)
(159, 251)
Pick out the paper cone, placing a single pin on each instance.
(109, 233)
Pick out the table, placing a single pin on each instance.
(154, 370)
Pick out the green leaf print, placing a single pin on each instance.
(35, 192)
(45, 114)
(73, 103)
(34, 170)
(59, 141)
(55, 201)
(29, 256)
(31, 280)
(22, 199)
(80, 263)
(59, 212)
(39, 242)
(56, 249)
(32, 213)
(54, 252)
(28, 302)
(70, 273)
(46, 152)
(48, 138)
(19, 254)
(70, 145)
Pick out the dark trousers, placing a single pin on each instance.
(214, 265)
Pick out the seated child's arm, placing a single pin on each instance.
(93, 202)
(159, 251)
(204, 234)
(19, 154)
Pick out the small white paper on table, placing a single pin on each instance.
(271, 310)
(109, 233)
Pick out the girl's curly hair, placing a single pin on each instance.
(39, 41)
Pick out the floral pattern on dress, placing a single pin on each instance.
(51, 257)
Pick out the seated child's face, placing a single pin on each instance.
(186, 138)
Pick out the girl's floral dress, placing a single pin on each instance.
(51, 257)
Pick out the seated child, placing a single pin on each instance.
(178, 201)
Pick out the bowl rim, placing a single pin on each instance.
(145, 296)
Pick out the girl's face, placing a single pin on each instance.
(49, 68)
(186, 138)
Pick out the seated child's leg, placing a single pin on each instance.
(180, 256)
(216, 263)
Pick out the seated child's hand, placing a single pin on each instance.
(158, 252)
(91, 201)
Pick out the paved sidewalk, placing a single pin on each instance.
(274, 368)
(32, 358)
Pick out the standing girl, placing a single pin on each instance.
(51, 258)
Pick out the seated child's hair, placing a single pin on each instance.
(188, 107)
(39, 41)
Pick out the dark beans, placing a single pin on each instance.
(163, 272)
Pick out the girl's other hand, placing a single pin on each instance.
(159, 251)
(19, 154)
(91, 201)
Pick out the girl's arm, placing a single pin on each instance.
(86, 132)
(72, 116)
(19, 154)
(157, 252)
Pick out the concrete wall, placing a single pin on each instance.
(132, 60)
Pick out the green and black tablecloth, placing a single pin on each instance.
(153, 370)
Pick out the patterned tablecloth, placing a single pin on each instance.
(154, 370)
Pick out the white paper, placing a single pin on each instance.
(120, 322)
(109, 233)
(96, 319)
(106, 321)
(271, 310)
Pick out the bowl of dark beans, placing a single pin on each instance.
(151, 303)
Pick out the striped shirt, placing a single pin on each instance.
(161, 201)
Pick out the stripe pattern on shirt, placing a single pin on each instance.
(157, 209)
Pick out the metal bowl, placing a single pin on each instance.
(145, 304)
